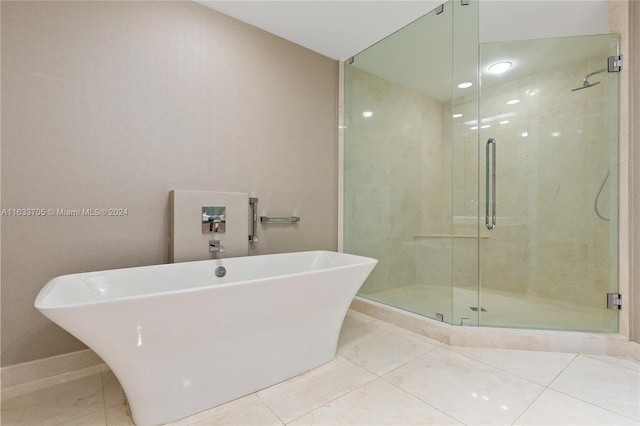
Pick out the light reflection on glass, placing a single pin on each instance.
(500, 67)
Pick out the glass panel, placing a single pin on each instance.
(464, 167)
(397, 165)
(553, 255)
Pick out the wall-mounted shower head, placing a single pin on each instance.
(585, 83)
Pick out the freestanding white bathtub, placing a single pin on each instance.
(181, 340)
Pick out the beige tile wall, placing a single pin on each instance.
(384, 156)
(556, 245)
(114, 104)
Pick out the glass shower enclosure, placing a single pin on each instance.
(483, 176)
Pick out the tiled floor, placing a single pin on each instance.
(384, 375)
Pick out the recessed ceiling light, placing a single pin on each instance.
(474, 128)
(465, 85)
(457, 115)
(504, 122)
(500, 67)
(555, 134)
(486, 126)
(525, 134)
(513, 101)
(367, 114)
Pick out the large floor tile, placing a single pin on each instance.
(603, 384)
(113, 393)
(555, 408)
(376, 403)
(118, 416)
(97, 418)
(467, 390)
(313, 389)
(355, 319)
(539, 367)
(380, 349)
(56, 404)
(619, 361)
(248, 410)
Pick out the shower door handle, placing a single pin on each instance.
(490, 169)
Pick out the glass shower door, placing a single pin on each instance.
(398, 164)
(548, 182)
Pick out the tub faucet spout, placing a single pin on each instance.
(216, 247)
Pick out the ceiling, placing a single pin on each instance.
(341, 29)
(337, 29)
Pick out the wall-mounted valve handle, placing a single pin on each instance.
(214, 219)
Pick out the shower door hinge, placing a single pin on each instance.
(440, 9)
(614, 301)
(465, 2)
(614, 63)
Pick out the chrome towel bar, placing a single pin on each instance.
(280, 219)
(253, 202)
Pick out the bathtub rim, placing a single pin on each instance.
(40, 305)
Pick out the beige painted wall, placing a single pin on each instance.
(114, 104)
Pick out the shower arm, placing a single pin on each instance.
(586, 77)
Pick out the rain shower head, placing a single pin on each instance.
(585, 83)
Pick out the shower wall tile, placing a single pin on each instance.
(549, 242)
(388, 181)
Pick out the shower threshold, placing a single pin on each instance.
(501, 337)
(497, 308)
